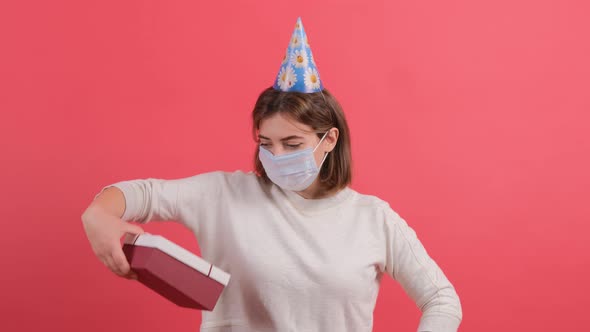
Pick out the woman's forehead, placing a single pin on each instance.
(279, 126)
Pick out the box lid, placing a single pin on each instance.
(161, 243)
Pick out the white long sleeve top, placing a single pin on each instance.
(296, 264)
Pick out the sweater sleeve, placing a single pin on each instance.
(154, 199)
(420, 277)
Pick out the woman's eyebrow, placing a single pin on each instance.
(282, 139)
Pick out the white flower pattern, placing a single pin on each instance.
(286, 78)
(299, 59)
(295, 40)
(312, 79)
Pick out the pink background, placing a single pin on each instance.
(469, 117)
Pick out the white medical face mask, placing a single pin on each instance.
(292, 171)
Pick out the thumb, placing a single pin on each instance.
(134, 229)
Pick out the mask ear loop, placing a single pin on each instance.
(326, 103)
(325, 154)
(324, 159)
(326, 133)
(316, 147)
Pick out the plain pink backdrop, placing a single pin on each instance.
(470, 118)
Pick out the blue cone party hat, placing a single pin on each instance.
(298, 70)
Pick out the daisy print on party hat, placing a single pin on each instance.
(298, 71)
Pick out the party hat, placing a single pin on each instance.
(298, 70)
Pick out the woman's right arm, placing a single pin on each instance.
(104, 228)
(108, 217)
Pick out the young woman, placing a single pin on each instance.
(305, 251)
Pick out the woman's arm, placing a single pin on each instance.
(111, 200)
(421, 278)
(142, 200)
(108, 216)
(104, 228)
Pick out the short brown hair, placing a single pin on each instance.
(319, 110)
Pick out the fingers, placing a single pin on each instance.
(133, 229)
(129, 238)
(132, 275)
(104, 233)
(120, 262)
(108, 262)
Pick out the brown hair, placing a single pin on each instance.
(320, 112)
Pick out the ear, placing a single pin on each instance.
(331, 139)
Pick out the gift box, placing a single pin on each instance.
(174, 272)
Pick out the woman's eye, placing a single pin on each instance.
(264, 144)
(293, 146)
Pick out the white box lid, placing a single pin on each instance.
(181, 254)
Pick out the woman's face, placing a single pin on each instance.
(280, 134)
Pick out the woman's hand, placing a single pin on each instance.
(104, 232)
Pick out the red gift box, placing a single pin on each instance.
(174, 272)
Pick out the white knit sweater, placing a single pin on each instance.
(297, 264)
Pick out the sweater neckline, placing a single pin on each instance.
(316, 204)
